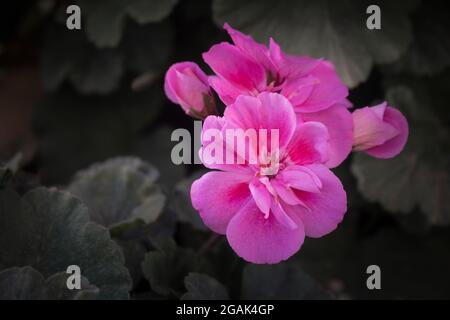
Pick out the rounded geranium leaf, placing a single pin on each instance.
(119, 190)
(335, 30)
(166, 267)
(26, 283)
(50, 230)
(203, 287)
(281, 281)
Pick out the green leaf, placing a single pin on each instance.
(28, 284)
(105, 20)
(180, 202)
(335, 30)
(281, 281)
(134, 252)
(119, 190)
(50, 230)
(166, 267)
(418, 177)
(203, 287)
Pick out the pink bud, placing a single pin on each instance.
(187, 85)
(380, 131)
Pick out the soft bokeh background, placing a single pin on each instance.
(77, 100)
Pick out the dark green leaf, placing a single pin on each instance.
(119, 190)
(55, 232)
(134, 253)
(166, 267)
(203, 287)
(28, 284)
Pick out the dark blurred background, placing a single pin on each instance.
(71, 98)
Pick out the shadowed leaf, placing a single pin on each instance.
(203, 287)
(335, 30)
(55, 232)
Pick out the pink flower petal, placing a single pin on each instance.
(309, 143)
(326, 208)
(300, 178)
(329, 90)
(298, 90)
(339, 123)
(259, 240)
(266, 111)
(285, 192)
(282, 217)
(231, 64)
(290, 66)
(217, 196)
(394, 146)
(370, 130)
(214, 150)
(186, 84)
(256, 51)
(227, 92)
(261, 196)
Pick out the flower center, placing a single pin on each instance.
(269, 164)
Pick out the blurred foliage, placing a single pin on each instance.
(84, 111)
(334, 30)
(28, 284)
(119, 191)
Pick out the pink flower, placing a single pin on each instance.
(187, 85)
(311, 85)
(380, 131)
(266, 212)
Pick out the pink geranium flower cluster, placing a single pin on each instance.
(266, 212)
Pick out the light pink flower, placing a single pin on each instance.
(187, 85)
(311, 85)
(380, 131)
(266, 214)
